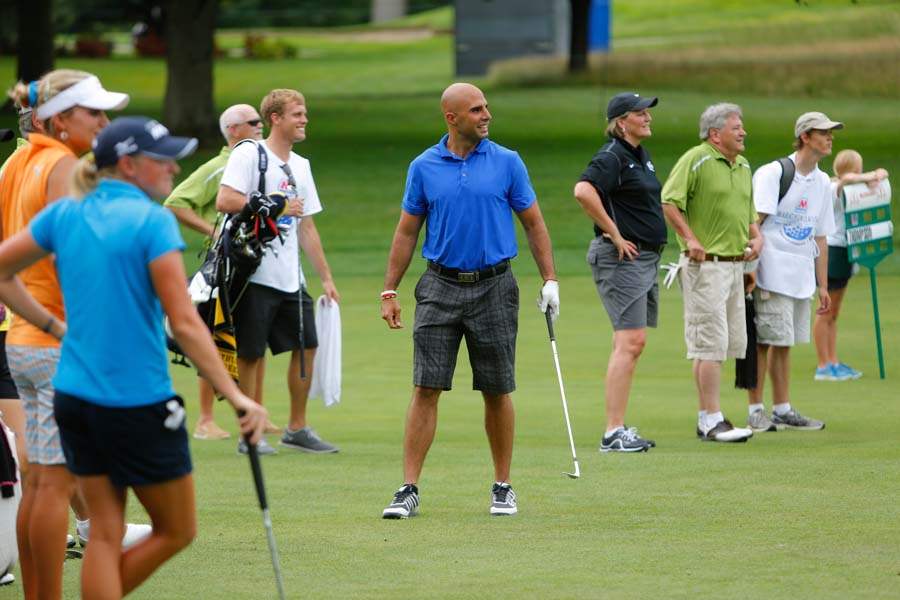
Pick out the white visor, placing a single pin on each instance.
(88, 93)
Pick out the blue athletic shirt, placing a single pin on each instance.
(114, 352)
(468, 203)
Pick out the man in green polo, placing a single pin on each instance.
(194, 205)
(707, 201)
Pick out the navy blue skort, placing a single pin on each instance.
(133, 446)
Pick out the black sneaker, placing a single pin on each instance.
(503, 500)
(624, 440)
(405, 503)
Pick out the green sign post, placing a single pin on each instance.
(870, 237)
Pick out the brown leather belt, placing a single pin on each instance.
(717, 258)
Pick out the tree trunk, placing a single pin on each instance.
(387, 10)
(35, 38)
(578, 48)
(189, 32)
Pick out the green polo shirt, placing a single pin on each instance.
(715, 197)
(198, 192)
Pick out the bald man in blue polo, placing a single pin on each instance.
(467, 189)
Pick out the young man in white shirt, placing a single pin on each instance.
(793, 264)
(268, 311)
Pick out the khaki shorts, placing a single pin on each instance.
(781, 320)
(715, 325)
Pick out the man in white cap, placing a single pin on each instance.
(793, 264)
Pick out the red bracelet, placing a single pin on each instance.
(388, 294)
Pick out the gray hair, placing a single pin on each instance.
(714, 117)
(232, 116)
(26, 125)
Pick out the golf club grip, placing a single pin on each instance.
(253, 453)
(549, 315)
(258, 482)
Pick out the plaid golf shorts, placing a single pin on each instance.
(485, 312)
(33, 368)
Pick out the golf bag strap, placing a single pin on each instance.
(787, 176)
(263, 163)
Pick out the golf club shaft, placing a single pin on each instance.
(273, 552)
(260, 485)
(562, 391)
(300, 305)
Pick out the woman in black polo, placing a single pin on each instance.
(619, 191)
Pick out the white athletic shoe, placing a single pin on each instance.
(134, 533)
(7, 578)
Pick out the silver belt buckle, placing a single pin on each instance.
(470, 277)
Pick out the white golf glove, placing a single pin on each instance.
(550, 298)
(671, 273)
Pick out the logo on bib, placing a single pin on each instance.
(651, 167)
(795, 228)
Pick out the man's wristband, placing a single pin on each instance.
(388, 294)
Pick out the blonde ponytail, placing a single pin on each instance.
(19, 95)
(85, 177)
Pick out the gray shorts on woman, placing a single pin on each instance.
(629, 289)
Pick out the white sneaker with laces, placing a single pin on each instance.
(134, 533)
(503, 500)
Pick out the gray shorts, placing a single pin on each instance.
(485, 312)
(629, 289)
(781, 320)
(33, 368)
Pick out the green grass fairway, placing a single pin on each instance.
(787, 515)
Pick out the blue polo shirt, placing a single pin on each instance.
(114, 353)
(468, 203)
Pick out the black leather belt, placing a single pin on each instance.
(468, 276)
(643, 246)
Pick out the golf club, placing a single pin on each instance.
(267, 520)
(562, 393)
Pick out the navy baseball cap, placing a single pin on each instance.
(6, 135)
(138, 135)
(627, 102)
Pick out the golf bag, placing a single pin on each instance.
(234, 256)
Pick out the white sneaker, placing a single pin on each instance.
(134, 533)
(7, 578)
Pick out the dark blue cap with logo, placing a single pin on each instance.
(627, 102)
(138, 135)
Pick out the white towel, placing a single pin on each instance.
(326, 375)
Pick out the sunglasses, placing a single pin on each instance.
(251, 122)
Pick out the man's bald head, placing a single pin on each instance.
(466, 113)
(458, 95)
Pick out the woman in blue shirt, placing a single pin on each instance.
(118, 257)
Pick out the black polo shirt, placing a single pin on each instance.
(626, 180)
